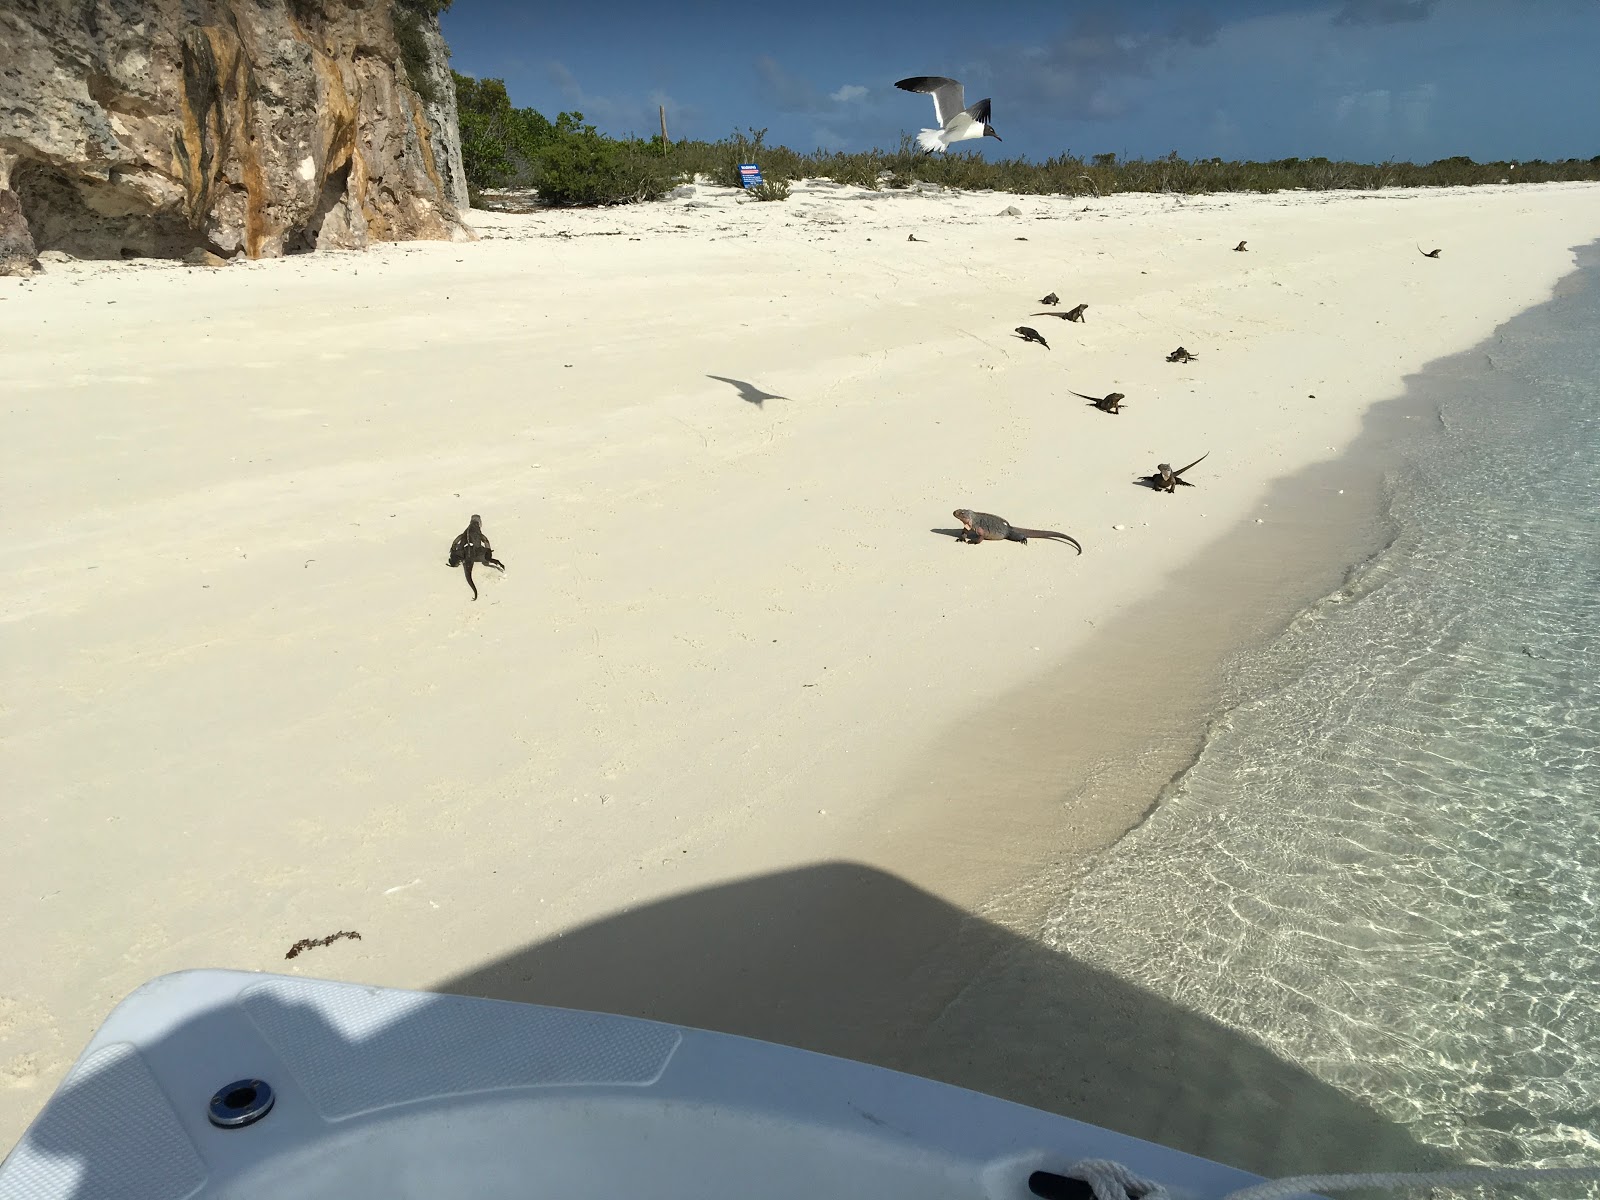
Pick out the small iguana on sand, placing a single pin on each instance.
(1239, 249)
(1181, 355)
(1029, 334)
(1052, 298)
(471, 546)
(1076, 314)
(986, 527)
(1428, 253)
(1106, 404)
(1167, 480)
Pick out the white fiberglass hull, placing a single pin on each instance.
(383, 1093)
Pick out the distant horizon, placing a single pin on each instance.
(1364, 81)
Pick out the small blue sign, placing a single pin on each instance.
(749, 175)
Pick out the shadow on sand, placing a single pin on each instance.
(851, 961)
(748, 392)
(837, 958)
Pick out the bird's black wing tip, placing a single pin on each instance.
(923, 83)
(979, 111)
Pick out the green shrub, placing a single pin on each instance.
(499, 142)
(582, 167)
(862, 170)
(572, 164)
(735, 150)
(484, 156)
(771, 189)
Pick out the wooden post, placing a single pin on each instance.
(663, 110)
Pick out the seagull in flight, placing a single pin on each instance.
(957, 123)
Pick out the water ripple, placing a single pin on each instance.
(1385, 864)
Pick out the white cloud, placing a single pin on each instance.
(792, 93)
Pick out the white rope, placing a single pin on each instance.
(1110, 1180)
(1305, 1185)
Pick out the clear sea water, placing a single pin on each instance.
(1385, 863)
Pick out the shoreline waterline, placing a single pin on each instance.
(1376, 866)
(1102, 746)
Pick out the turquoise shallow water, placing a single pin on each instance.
(1385, 862)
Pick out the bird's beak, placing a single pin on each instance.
(988, 131)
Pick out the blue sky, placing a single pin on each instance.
(1365, 80)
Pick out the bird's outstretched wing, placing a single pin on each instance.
(979, 112)
(948, 96)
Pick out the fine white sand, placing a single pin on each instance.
(713, 440)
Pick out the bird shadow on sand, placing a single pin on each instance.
(748, 392)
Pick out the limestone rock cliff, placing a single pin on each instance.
(444, 123)
(240, 127)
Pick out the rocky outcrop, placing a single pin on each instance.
(444, 125)
(16, 240)
(234, 127)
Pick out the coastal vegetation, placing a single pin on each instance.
(569, 162)
(771, 189)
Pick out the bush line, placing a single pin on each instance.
(568, 162)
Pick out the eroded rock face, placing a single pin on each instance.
(17, 256)
(444, 123)
(237, 127)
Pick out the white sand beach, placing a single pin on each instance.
(717, 444)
